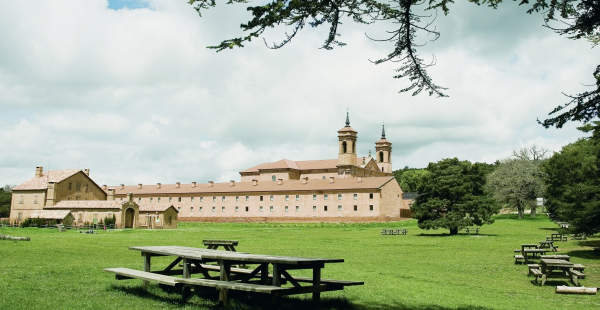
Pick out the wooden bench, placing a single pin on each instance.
(230, 285)
(229, 245)
(578, 267)
(540, 278)
(532, 266)
(519, 258)
(556, 256)
(127, 273)
(557, 237)
(575, 276)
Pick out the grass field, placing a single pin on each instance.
(423, 270)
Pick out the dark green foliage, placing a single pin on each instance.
(452, 196)
(575, 19)
(409, 178)
(37, 222)
(573, 178)
(5, 197)
(110, 220)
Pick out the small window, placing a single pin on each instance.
(237, 208)
(191, 198)
(325, 196)
(35, 198)
(178, 199)
(287, 197)
(139, 199)
(271, 208)
(261, 198)
(297, 208)
(222, 198)
(237, 198)
(78, 186)
(21, 199)
(214, 209)
(297, 197)
(150, 198)
(222, 209)
(339, 207)
(70, 186)
(370, 207)
(260, 209)
(191, 209)
(314, 196)
(271, 198)
(323, 177)
(355, 196)
(286, 209)
(214, 198)
(273, 178)
(201, 198)
(170, 199)
(325, 208)
(314, 208)
(158, 199)
(199, 209)
(339, 196)
(247, 209)
(355, 208)
(370, 195)
(247, 198)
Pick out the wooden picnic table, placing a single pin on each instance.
(532, 253)
(559, 268)
(195, 261)
(548, 244)
(228, 245)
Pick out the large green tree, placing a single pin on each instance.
(576, 19)
(5, 197)
(517, 182)
(573, 178)
(452, 196)
(409, 178)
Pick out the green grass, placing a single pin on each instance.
(423, 270)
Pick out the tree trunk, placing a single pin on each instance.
(7, 237)
(520, 209)
(453, 230)
(533, 210)
(576, 290)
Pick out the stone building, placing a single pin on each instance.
(349, 188)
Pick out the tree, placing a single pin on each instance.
(5, 198)
(452, 196)
(409, 178)
(573, 178)
(578, 18)
(517, 182)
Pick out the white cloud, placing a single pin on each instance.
(135, 95)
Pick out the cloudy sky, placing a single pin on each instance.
(129, 90)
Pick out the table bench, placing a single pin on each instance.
(556, 256)
(393, 232)
(228, 245)
(469, 229)
(557, 237)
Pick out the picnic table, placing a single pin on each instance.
(228, 245)
(548, 244)
(394, 231)
(557, 237)
(259, 280)
(557, 268)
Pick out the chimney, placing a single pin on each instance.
(232, 183)
(122, 186)
(211, 183)
(39, 171)
(104, 187)
(177, 184)
(194, 184)
(139, 185)
(157, 185)
(254, 182)
(111, 194)
(87, 171)
(279, 181)
(304, 180)
(331, 179)
(130, 197)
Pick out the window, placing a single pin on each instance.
(178, 208)
(370, 207)
(35, 199)
(314, 208)
(370, 195)
(179, 199)
(381, 158)
(21, 199)
(325, 196)
(237, 208)
(355, 196)
(199, 209)
(286, 209)
(339, 207)
(78, 186)
(287, 197)
(246, 208)
(158, 199)
(237, 198)
(261, 198)
(139, 199)
(214, 209)
(170, 199)
(214, 198)
(201, 198)
(297, 208)
(339, 196)
(191, 209)
(273, 178)
(247, 198)
(260, 209)
(223, 209)
(222, 198)
(271, 198)
(271, 208)
(355, 208)
(314, 196)
(150, 198)
(70, 186)
(297, 197)
(344, 147)
(191, 198)
(325, 208)
(323, 178)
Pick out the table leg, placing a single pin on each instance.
(264, 273)
(224, 276)
(316, 295)
(186, 268)
(147, 259)
(276, 275)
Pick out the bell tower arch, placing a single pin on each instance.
(383, 151)
(347, 145)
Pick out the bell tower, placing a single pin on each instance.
(347, 145)
(383, 153)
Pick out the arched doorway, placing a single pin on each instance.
(129, 216)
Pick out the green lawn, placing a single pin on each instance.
(423, 270)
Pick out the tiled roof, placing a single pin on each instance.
(261, 186)
(297, 165)
(37, 183)
(87, 204)
(49, 214)
(156, 208)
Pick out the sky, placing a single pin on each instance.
(129, 90)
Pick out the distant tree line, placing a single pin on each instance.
(5, 198)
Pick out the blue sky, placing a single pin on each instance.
(135, 95)
(129, 4)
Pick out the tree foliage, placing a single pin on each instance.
(452, 196)
(409, 178)
(5, 198)
(576, 19)
(573, 178)
(517, 182)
